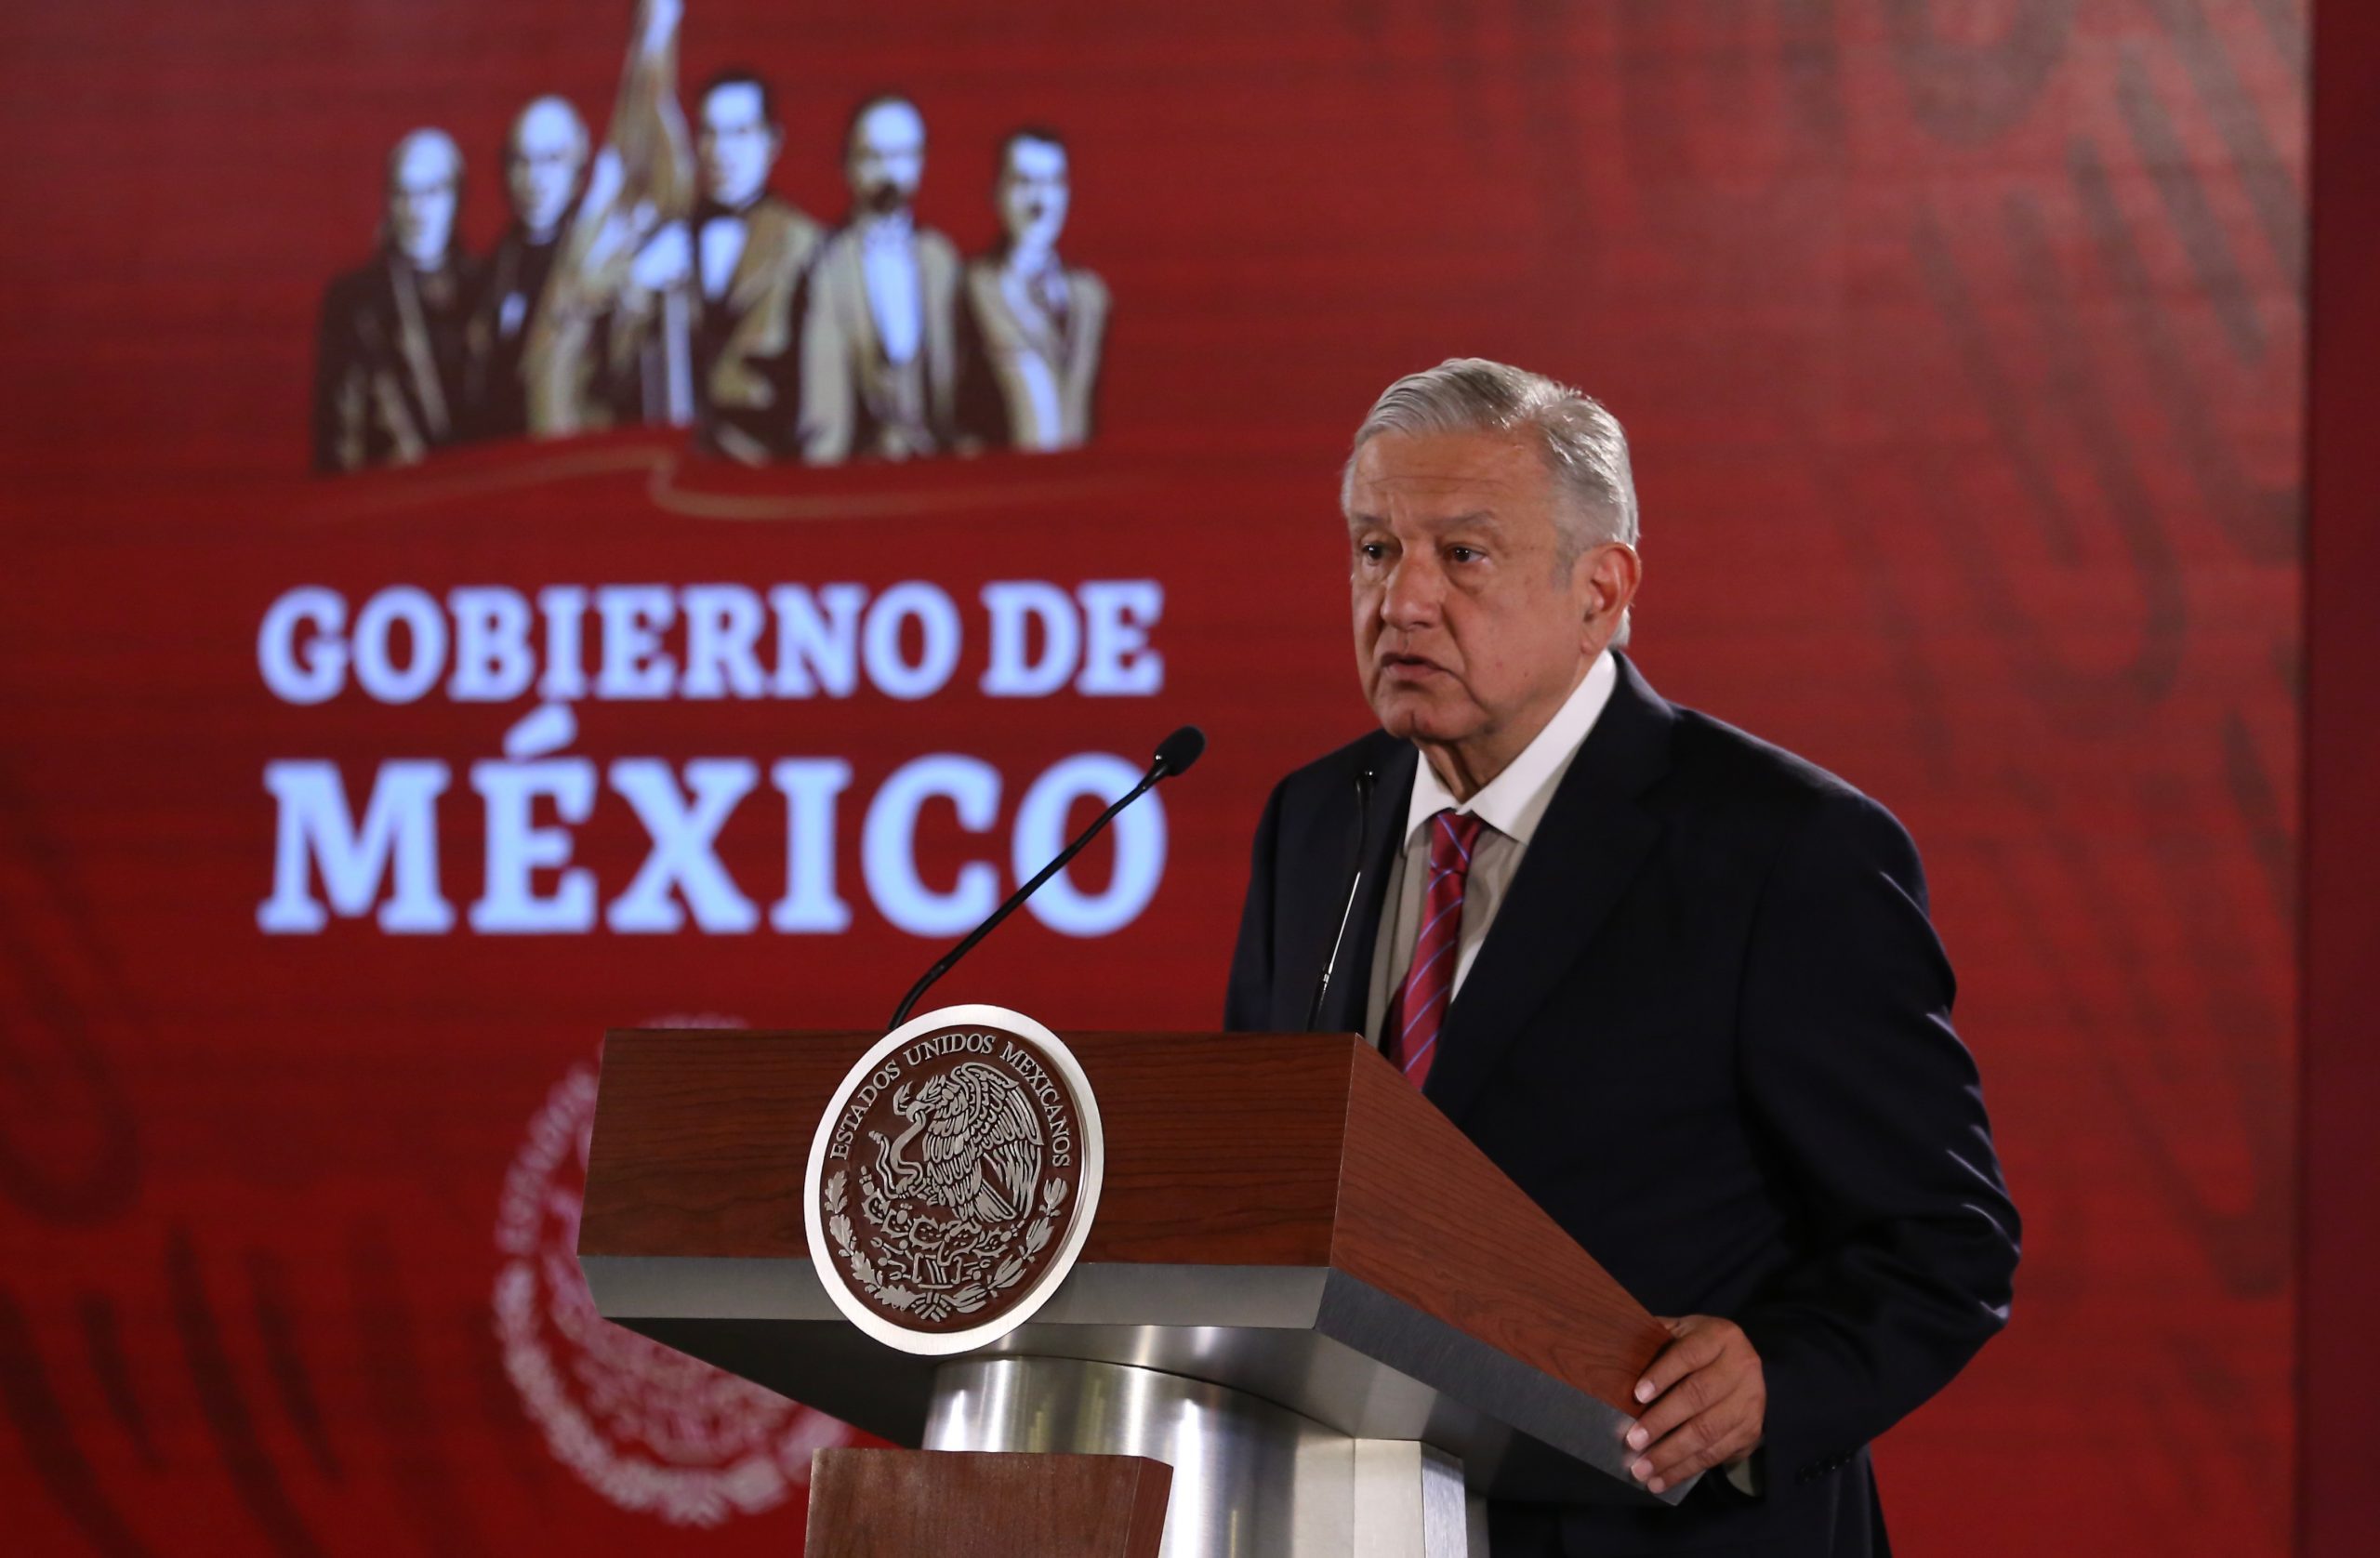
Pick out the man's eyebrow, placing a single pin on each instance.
(1477, 519)
(1484, 517)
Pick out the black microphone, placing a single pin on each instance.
(1355, 886)
(1174, 755)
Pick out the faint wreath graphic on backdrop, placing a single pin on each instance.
(647, 1427)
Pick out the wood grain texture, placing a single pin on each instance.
(1222, 1150)
(1425, 1217)
(947, 1504)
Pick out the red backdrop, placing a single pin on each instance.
(1960, 347)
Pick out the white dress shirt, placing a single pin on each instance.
(1511, 804)
(895, 293)
(722, 249)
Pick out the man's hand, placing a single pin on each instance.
(667, 261)
(660, 19)
(1706, 1400)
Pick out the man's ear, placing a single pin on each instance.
(1610, 574)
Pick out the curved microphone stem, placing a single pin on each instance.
(1156, 771)
(1354, 888)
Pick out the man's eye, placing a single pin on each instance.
(1371, 552)
(1465, 554)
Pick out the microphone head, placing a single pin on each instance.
(1177, 752)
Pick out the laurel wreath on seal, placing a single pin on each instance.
(933, 1304)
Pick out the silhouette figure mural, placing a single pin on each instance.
(655, 278)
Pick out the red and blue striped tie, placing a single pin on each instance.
(1420, 1009)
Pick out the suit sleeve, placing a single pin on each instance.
(1249, 1002)
(1849, 1060)
(1094, 308)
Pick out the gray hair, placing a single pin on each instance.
(1584, 448)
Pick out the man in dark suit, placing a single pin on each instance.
(391, 351)
(544, 157)
(1030, 325)
(564, 339)
(738, 262)
(1679, 984)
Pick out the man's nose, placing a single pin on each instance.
(1415, 587)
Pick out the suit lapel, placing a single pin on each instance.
(847, 267)
(1592, 840)
(1343, 1010)
(749, 279)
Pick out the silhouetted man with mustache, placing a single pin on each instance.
(878, 362)
(1030, 325)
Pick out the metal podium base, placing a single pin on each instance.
(1250, 1479)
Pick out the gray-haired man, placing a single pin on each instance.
(1678, 983)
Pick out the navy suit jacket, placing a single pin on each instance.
(1709, 1032)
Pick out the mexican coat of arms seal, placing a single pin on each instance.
(953, 1178)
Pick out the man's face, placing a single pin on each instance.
(1032, 193)
(737, 144)
(1467, 626)
(424, 181)
(542, 163)
(887, 158)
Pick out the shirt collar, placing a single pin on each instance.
(892, 227)
(1514, 802)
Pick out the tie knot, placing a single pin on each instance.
(1452, 835)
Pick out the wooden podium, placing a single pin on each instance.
(1304, 1291)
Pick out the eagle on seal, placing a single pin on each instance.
(982, 1153)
